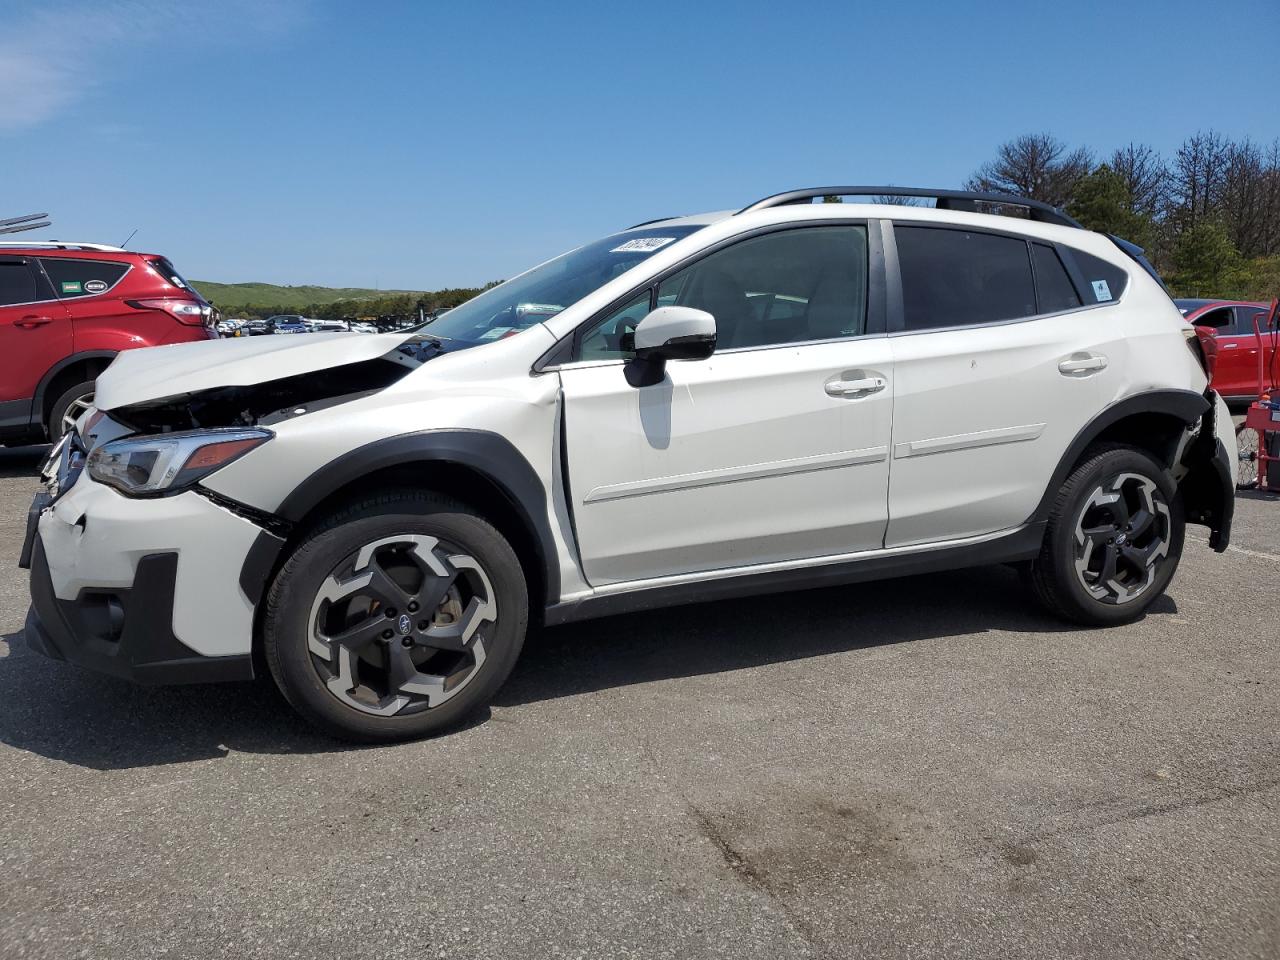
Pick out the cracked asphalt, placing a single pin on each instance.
(924, 767)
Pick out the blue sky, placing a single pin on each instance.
(420, 145)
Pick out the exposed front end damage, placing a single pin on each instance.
(1206, 472)
(271, 401)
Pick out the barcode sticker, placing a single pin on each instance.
(643, 245)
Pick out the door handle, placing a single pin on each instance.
(31, 322)
(1082, 364)
(1228, 346)
(855, 388)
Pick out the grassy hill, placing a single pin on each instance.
(284, 296)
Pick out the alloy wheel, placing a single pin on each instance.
(75, 410)
(400, 625)
(1122, 534)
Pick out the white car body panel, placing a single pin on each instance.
(741, 458)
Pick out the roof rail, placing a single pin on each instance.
(62, 245)
(946, 200)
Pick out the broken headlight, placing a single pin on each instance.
(165, 463)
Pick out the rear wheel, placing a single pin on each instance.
(397, 617)
(66, 410)
(1113, 540)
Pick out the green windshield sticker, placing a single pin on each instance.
(72, 286)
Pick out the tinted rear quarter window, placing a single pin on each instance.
(83, 278)
(1103, 282)
(954, 278)
(1053, 286)
(17, 285)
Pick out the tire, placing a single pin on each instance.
(81, 393)
(347, 641)
(1247, 453)
(1106, 558)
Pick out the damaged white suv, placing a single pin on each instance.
(794, 395)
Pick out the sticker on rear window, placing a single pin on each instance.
(95, 286)
(643, 245)
(1101, 292)
(72, 286)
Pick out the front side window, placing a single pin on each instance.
(1244, 320)
(82, 278)
(957, 278)
(791, 286)
(17, 285)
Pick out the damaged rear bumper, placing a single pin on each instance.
(1209, 485)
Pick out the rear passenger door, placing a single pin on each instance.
(1000, 358)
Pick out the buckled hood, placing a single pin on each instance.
(155, 373)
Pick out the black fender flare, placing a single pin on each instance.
(487, 453)
(1185, 405)
(37, 402)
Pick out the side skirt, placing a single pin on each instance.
(1017, 545)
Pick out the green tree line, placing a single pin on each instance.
(388, 308)
(1208, 216)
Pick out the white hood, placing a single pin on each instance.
(154, 373)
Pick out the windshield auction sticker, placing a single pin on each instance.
(643, 245)
(72, 286)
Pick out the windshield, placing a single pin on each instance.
(546, 290)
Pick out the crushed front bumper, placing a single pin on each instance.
(125, 633)
(145, 589)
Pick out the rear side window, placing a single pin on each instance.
(1053, 287)
(1103, 282)
(956, 278)
(83, 278)
(162, 266)
(17, 285)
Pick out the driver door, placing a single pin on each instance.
(760, 454)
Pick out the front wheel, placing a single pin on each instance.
(396, 618)
(1113, 539)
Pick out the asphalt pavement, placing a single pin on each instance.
(924, 767)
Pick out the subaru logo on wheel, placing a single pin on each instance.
(404, 624)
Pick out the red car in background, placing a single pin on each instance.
(66, 310)
(1235, 375)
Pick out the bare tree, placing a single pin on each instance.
(1145, 177)
(1038, 166)
(1198, 179)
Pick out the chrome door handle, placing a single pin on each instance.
(1228, 346)
(1081, 364)
(855, 388)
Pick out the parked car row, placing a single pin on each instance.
(291, 323)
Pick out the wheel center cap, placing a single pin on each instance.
(1121, 540)
(404, 625)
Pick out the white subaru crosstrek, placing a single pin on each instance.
(789, 396)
